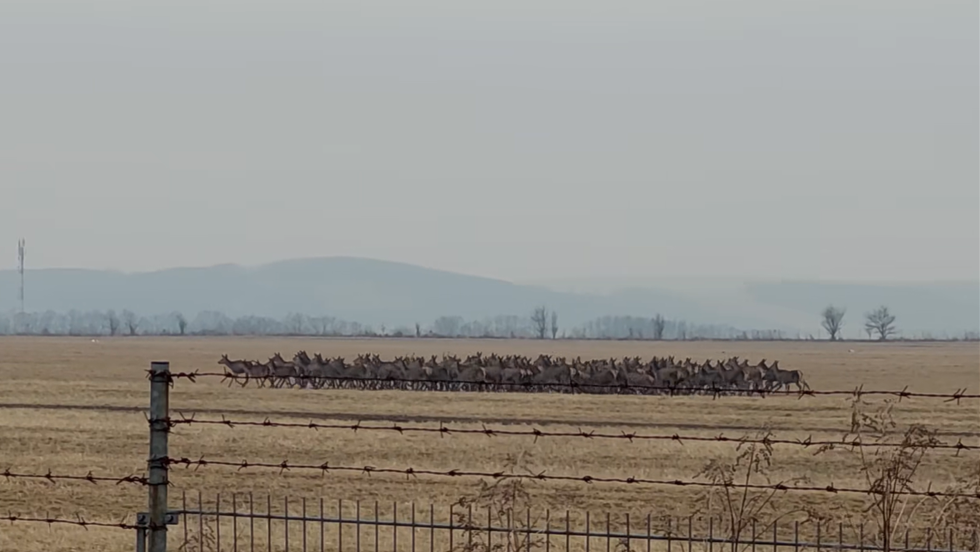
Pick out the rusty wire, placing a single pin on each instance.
(79, 521)
(536, 433)
(326, 467)
(87, 478)
(858, 392)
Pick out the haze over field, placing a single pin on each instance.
(700, 150)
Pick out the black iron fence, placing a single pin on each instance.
(242, 522)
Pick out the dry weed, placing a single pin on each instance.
(743, 507)
(891, 471)
(508, 503)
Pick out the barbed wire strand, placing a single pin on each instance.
(326, 467)
(957, 396)
(443, 430)
(79, 521)
(87, 478)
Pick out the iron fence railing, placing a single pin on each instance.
(241, 523)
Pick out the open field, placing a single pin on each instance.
(74, 406)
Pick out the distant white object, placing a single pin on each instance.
(850, 350)
(95, 341)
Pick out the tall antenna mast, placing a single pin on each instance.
(21, 250)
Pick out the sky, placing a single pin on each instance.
(518, 139)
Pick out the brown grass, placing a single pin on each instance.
(45, 381)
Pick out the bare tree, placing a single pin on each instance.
(833, 321)
(539, 320)
(447, 326)
(881, 322)
(75, 324)
(659, 324)
(131, 321)
(181, 323)
(323, 325)
(554, 324)
(295, 323)
(113, 322)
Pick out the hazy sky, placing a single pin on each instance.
(817, 139)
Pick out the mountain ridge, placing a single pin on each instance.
(376, 291)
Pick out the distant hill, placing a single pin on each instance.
(380, 292)
(364, 290)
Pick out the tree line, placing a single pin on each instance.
(540, 323)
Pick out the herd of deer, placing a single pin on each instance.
(516, 373)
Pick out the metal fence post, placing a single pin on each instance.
(140, 539)
(157, 461)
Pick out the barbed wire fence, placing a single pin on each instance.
(445, 431)
(151, 526)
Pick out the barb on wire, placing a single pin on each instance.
(87, 478)
(956, 396)
(79, 521)
(326, 467)
(443, 430)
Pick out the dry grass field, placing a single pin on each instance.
(72, 406)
